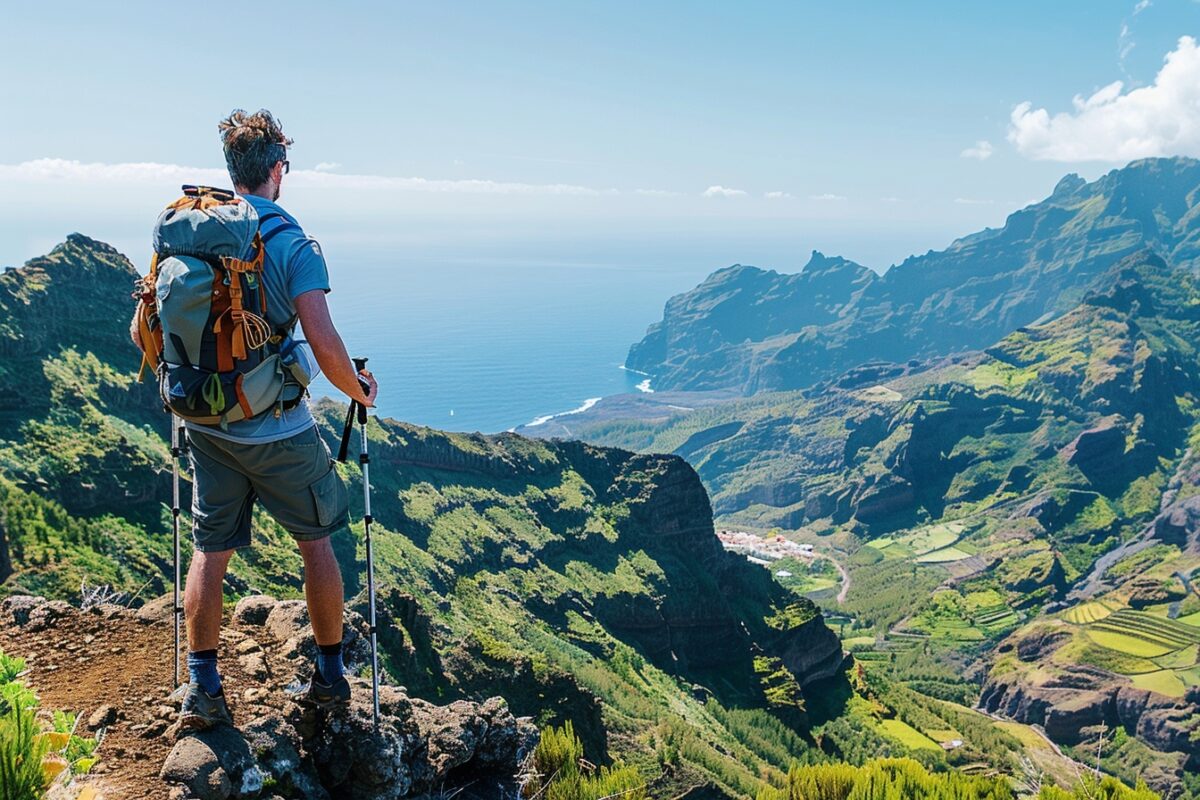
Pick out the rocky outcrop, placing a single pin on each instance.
(280, 748)
(1070, 705)
(1077, 704)
(1098, 451)
(1179, 524)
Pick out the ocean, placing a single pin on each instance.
(487, 344)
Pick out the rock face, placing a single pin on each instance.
(1179, 524)
(1070, 705)
(758, 330)
(708, 330)
(1076, 704)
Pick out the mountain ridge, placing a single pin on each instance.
(963, 297)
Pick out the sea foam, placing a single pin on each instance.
(591, 401)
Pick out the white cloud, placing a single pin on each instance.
(721, 191)
(327, 166)
(827, 196)
(50, 170)
(971, 201)
(1162, 119)
(1125, 42)
(982, 150)
(778, 195)
(889, 199)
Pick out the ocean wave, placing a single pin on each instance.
(591, 401)
(631, 369)
(644, 386)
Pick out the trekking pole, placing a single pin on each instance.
(358, 410)
(177, 434)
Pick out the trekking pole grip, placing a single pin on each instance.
(360, 363)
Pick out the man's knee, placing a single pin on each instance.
(215, 560)
(316, 550)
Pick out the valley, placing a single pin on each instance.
(1017, 515)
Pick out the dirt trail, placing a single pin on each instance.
(125, 664)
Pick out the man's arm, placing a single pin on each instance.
(327, 346)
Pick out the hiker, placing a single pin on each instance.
(276, 456)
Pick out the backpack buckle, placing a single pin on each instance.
(221, 195)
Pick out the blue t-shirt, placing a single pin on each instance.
(292, 266)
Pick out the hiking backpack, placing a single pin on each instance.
(202, 314)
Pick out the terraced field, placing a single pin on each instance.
(1191, 619)
(995, 618)
(1168, 634)
(1086, 613)
(1156, 653)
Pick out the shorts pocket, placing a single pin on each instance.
(329, 496)
(303, 441)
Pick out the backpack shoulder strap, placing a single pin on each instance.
(272, 224)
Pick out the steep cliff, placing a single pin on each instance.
(805, 328)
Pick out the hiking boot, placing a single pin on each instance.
(202, 711)
(321, 695)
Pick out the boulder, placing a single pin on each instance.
(102, 717)
(277, 745)
(254, 609)
(46, 615)
(196, 765)
(353, 760)
(158, 610)
(18, 607)
(287, 619)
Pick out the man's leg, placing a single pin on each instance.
(222, 502)
(323, 590)
(296, 481)
(202, 611)
(202, 599)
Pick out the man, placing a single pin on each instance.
(278, 459)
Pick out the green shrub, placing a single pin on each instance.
(906, 779)
(560, 773)
(22, 748)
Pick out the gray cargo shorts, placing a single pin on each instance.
(294, 478)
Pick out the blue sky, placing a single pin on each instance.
(730, 132)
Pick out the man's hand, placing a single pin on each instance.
(372, 387)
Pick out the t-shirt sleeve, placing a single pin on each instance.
(306, 267)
